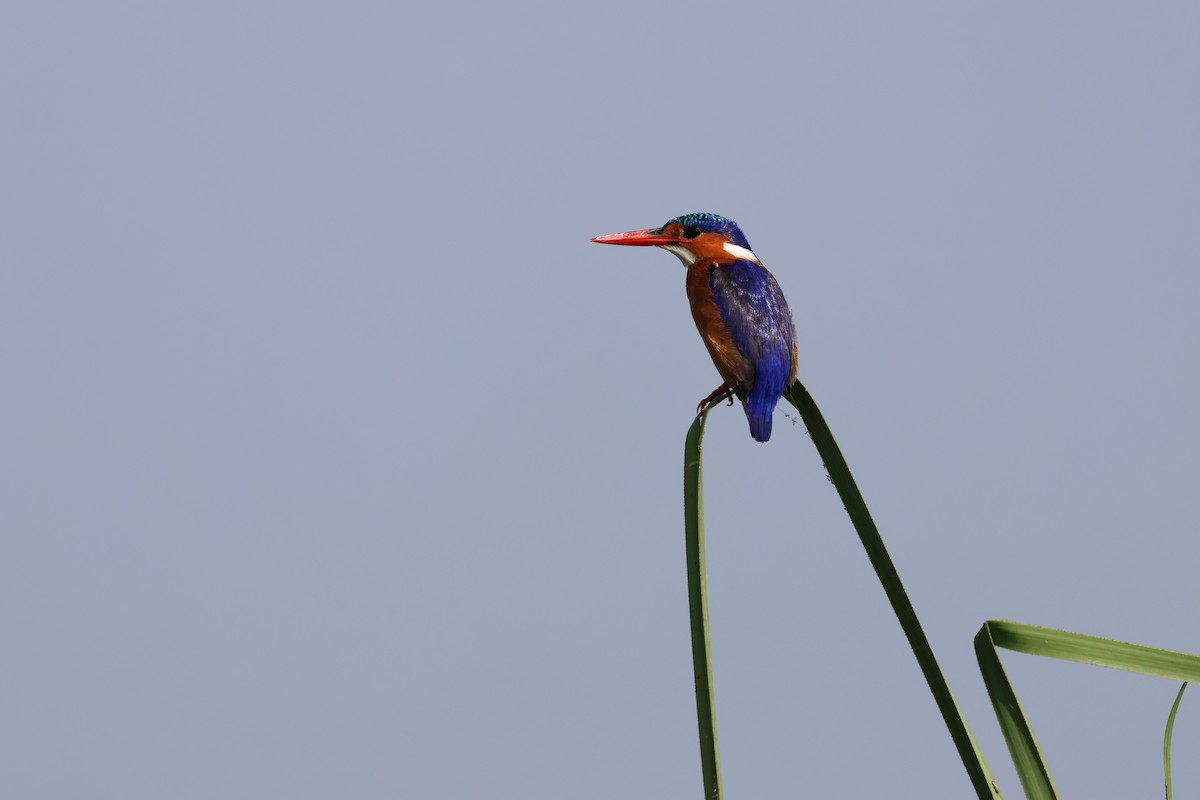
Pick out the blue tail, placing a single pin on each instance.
(760, 406)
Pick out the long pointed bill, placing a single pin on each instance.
(646, 238)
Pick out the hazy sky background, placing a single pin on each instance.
(337, 463)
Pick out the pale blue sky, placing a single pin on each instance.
(337, 463)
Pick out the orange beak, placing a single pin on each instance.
(646, 238)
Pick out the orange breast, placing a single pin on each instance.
(735, 368)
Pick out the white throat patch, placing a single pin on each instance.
(682, 253)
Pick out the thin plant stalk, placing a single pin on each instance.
(693, 513)
(1167, 740)
(839, 474)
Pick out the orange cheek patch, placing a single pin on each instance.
(709, 247)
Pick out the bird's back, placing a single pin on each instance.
(745, 322)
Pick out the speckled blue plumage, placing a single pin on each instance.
(759, 321)
(713, 223)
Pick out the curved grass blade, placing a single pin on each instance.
(856, 507)
(693, 517)
(1078, 647)
(1022, 745)
(1085, 649)
(1167, 740)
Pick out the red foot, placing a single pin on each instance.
(721, 393)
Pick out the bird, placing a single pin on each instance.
(739, 309)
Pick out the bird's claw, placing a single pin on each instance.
(722, 392)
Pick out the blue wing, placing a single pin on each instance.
(757, 316)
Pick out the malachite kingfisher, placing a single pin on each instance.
(738, 307)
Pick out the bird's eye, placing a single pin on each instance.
(691, 232)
